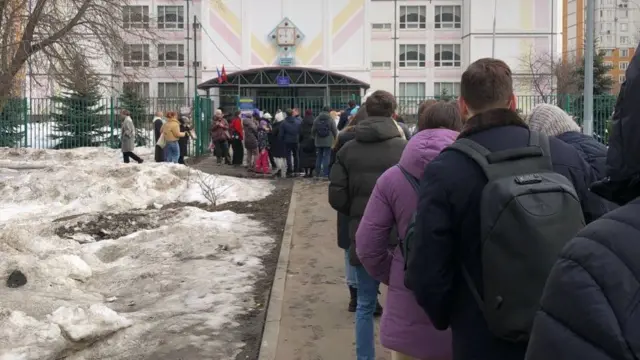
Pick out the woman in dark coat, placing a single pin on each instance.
(183, 142)
(590, 308)
(277, 148)
(307, 145)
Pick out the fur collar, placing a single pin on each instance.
(491, 119)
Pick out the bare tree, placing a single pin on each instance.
(50, 34)
(211, 186)
(547, 76)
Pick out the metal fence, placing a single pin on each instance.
(69, 123)
(63, 123)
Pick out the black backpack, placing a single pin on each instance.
(528, 213)
(322, 128)
(405, 243)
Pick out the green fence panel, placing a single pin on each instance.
(76, 122)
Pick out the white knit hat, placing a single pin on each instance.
(551, 120)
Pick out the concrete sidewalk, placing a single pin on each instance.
(314, 322)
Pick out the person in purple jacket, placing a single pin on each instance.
(405, 328)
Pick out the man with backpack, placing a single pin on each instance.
(494, 211)
(324, 131)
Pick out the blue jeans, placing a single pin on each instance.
(367, 299)
(172, 152)
(350, 271)
(323, 156)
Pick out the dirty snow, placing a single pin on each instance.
(64, 182)
(155, 283)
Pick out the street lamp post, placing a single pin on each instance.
(493, 35)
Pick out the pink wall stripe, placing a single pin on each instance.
(347, 32)
(220, 27)
(255, 60)
(318, 60)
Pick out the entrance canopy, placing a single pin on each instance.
(278, 76)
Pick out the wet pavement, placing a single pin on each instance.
(315, 323)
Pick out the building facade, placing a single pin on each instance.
(616, 29)
(414, 48)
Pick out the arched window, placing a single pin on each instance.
(448, 17)
(413, 17)
(446, 55)
(412, 55)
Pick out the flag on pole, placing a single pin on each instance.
(219, 76)
(224, 74)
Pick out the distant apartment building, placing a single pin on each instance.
(616, 32)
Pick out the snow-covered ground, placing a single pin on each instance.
(110, 275)
(38, 135)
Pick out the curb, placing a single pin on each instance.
(271, 331)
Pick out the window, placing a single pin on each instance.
(413, 17)
(381, 26)
(608, 52)
(447, 55)
(624, 52)
(171, 90)
(622, 79)
(448, 17)
(140, 88)
(170, 55)
(381, 64)
(608, 64)
(623, 65)
(136, 55)
(624, 14)
(624, 27)
(412, 89)
(170, 17)
(135, 17)
(412, 55)
(452, 88)
(624, 39)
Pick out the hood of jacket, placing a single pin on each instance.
(377, 129)
(291, 119)
(324, 116)
(424, 147)
(308, 119)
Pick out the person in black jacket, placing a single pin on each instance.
(183, 142)
(377, 146)
(346, 113)
(448, 219)
(590, 308)
(553, 121)
(157, 125)
(344, 242)
(307, 145)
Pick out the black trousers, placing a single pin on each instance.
(221, 152)
(130, 155)
(272, 159)
(238, 151)
(293, 165)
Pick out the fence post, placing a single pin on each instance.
(197, 121)
(111, 122)
(25, 114)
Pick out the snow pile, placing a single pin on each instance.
(138, 282)
(64, 182)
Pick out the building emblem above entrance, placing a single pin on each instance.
(286, 36)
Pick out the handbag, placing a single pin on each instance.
(161, 141)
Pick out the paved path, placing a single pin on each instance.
(315, 324)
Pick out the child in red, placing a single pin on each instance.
(262, 163)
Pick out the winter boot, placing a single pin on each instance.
(353, 301)
(378, 311)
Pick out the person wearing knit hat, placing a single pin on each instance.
(551, 120)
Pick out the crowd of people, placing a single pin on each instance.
(171, 137)
(284, 145)
(499, 236)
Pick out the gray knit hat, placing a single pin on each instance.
(551, 120)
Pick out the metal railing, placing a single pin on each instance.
(69, 123)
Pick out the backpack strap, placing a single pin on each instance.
(535, 157)
(410, 178)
